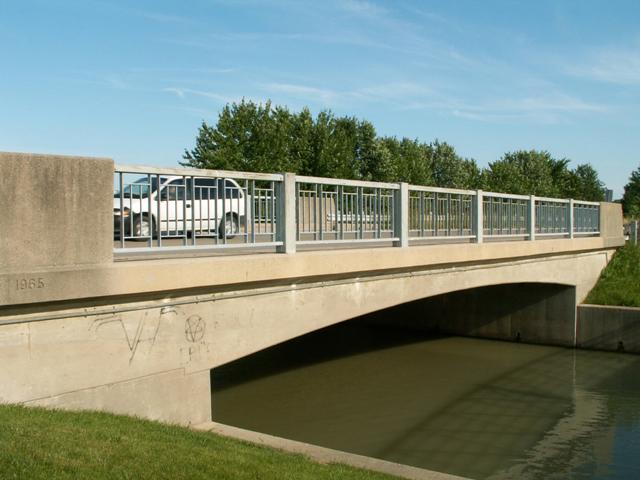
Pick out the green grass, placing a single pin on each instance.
(619, 283)
(36, 443)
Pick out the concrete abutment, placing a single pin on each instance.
(528, 312)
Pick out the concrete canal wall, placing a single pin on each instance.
(609, 328)
(535, 313)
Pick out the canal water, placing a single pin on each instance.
(476, 408)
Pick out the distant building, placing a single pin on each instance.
(608, 195)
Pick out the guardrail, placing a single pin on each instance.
(172, 208)
(161, 208)
(329, 210)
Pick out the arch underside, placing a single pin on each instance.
(532, 300)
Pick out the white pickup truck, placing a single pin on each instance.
(201, 206)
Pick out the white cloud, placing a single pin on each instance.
(365, 8)
(184, 92)
(552, 107)
(612, 65)
(302, 91)
(395, 90)
(179, 92)
(162, 17)
(548, 109)
(557, 102)
(116, 81)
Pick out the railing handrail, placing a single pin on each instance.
(553, 200)
(346, 183)
(512, 196)
(289, 213)
(585, 202)
(456, 191)
(198, 172)
(190, 172)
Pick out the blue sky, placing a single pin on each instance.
(133, 80)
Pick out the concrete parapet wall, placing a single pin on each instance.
(611, 221)
(57, 212)
(153, 277)
(609, 328)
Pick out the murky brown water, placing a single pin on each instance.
(476, 408)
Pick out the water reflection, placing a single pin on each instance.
(476, 408)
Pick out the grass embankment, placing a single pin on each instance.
(619, 283)
(46, 444)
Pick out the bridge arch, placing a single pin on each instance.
(303, 308)
(528, 312)
(167, 346)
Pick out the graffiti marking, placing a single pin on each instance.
(194, 328)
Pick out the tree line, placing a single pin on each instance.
(256, 137)
(631, 197)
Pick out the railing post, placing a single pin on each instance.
(286, 214)
(571, 219)
(401, 215)
(532, 217)
(633, 232)
(478, 223)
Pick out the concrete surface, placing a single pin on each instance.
(526, 312)
(45, 219)
(325, 455)
(170, 396)
(611, 220)
(51, 356)
(165, 277)
(609, 328)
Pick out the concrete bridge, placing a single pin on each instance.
(136, 326)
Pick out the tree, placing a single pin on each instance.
(383, 166)
(335, 147)
(410, 161)
(584, 184)
(247, 137)
(450, 170)
(631, 196)
(301, 150)
(522, 172)
(257, 137)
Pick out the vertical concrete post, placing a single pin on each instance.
(478, 224)
(56, 211)
(571, 219)
(532, 217)
(401, 215)
(286, 223)
(610, 221)
(633, 232)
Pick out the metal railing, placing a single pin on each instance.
(161, 208)
(586, 217)
(329, 210)
(440, 213)
(552, 216)
(505, 215)
(194, 208)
